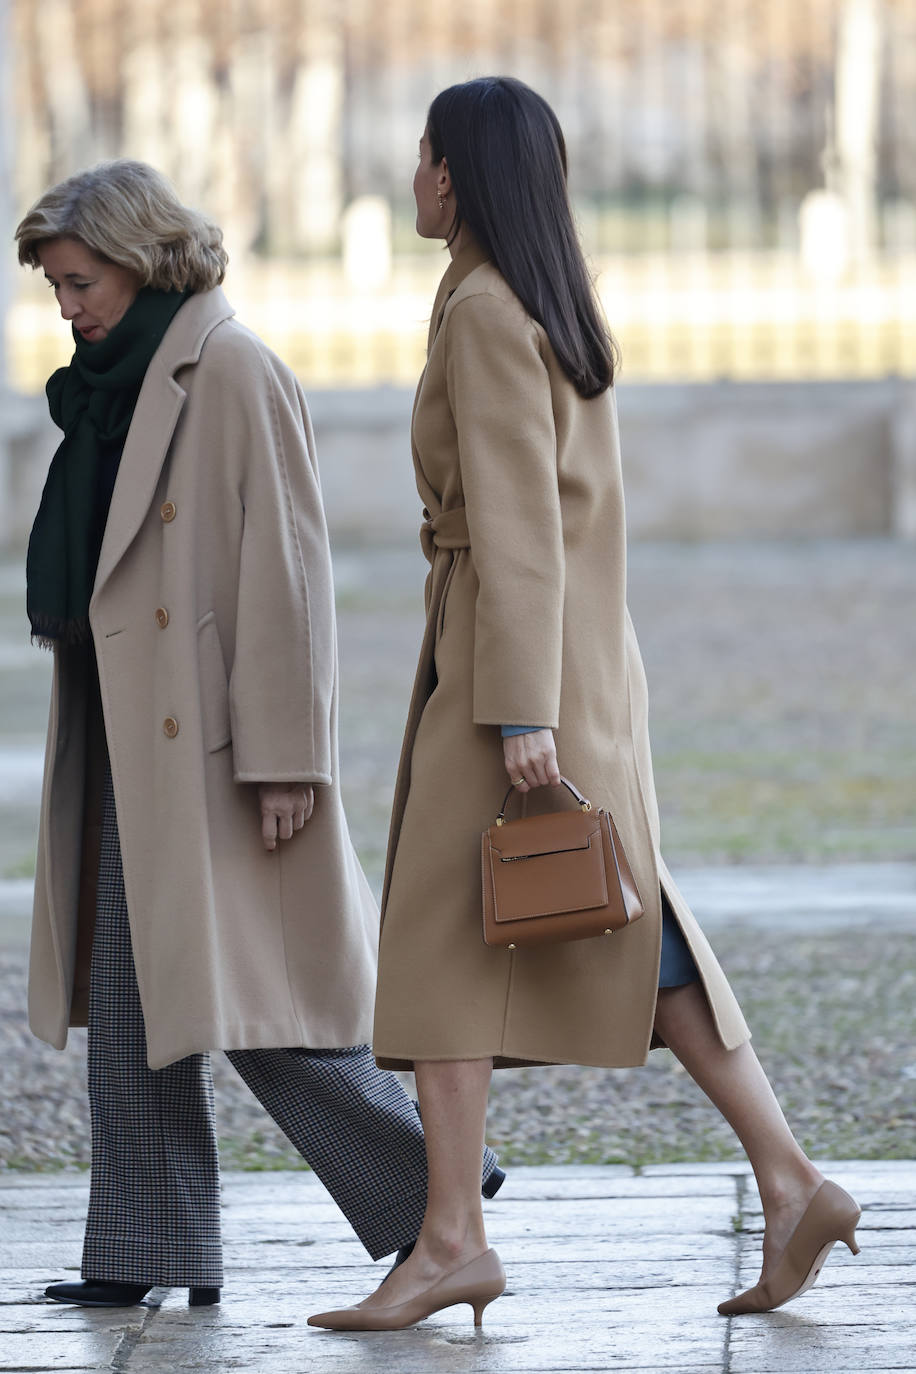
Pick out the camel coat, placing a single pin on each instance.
(526, 625)
(213, 625)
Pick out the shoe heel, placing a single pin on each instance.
(851, 1241)
(479, 1304)
(203, 1297)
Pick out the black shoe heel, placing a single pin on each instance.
(203, 1297)
(493, 1184)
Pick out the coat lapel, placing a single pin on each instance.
(155, 416)
(461, 266)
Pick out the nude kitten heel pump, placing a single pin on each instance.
(477, 1283)
(831, 1216)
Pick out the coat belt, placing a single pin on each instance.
(447, 530)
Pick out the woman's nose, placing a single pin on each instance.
(69, 307)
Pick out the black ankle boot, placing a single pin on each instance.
(101, 1293)
(203, 1297)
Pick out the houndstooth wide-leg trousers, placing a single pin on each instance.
(154, 1194)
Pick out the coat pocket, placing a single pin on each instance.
(214, 685)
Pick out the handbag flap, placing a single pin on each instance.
(552, 833)
(545, 884)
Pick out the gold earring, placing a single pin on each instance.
(441, 200)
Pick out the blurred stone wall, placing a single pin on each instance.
(725, 460)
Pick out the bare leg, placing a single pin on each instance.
(453, 1106)
(735, 1082)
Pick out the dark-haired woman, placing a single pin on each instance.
(517, 463)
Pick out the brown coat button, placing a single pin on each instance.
(162, 617)
(170, 727)
(168, 511)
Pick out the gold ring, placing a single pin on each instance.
(517, 782)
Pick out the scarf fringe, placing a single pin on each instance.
(47, 631)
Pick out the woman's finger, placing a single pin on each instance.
(269, 830)
(516, 774)
(551, 769)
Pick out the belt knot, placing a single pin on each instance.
(447, 530)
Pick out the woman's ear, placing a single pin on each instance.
(444, 183)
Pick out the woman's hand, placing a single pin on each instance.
(285, 807)
(531, 760)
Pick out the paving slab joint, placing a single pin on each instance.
(741, 1184)
(133, 1335)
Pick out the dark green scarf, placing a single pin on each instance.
(92, 401)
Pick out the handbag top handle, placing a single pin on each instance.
(584, 803)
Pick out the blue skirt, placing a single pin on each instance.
(676, 967)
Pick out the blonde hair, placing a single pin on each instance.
(128, 213)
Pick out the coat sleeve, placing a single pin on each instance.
(281, 686)
(500, 397)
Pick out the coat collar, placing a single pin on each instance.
(155, 416)
(462, 265)
(185, 337)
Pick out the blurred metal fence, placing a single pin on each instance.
(744, 173)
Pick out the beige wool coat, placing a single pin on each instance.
(526, 625)
(213, 623)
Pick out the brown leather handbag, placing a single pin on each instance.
(555, 877)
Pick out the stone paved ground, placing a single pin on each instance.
(608, 1270)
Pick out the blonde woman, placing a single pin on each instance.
(196, 885)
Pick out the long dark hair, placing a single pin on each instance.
(507, 159)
